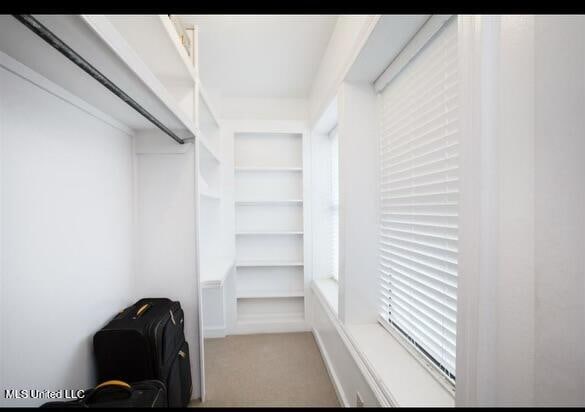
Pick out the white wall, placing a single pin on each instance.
(348, 37)
(66, 230)
(358, 203)
(165, 231)
(521, 294)
(321, 155)
(263, 108)
(336, 350)
(559, 210)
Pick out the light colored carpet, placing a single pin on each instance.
(283, 369)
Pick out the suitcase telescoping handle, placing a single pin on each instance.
(113, 384)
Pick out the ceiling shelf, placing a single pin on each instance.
(268, 263)
(101, 44)
(157, 42)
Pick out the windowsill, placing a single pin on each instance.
(399, 375)
(329, 290)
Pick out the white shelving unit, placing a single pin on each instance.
(142, 55)
(270, 275)
(106, 46)
(268, 263)
(213, 265)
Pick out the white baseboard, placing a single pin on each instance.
(274, 326)
(360, 366)
(329, 365)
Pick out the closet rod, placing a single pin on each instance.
(39, 29)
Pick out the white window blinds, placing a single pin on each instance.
(419, 149)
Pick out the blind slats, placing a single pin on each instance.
(423, 299)
(419, 197)
(437, 290)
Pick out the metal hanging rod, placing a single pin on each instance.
(43, 32)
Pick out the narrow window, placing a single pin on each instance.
(419, 194)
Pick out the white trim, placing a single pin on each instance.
(111, 36)
(327, 120)
(24, 72)
(383, 398)
(332, 132)
(239, 126)
(330, 371)
(270, 326)
(419, 357)
(420, 39)
(207, 101)
(358, 45)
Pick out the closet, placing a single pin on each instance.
(110, 159)
(121, 180)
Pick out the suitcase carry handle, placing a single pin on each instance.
(109, 385)
(142, 309)
(120, 384)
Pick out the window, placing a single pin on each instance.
(419, 200)
(334, 202)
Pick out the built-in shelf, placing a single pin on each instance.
(268, 263)
(207, 102)
(209, 195)
(270, 278)
(280, 233)
(213, 154)
(214, 273)
(269, 202)
(156, 41)
(95, 38)
(270, 295)
(269, 169)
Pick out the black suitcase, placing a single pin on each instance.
(117, 394)
(147, 341)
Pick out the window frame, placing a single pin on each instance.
(438, 371)
(333, 137)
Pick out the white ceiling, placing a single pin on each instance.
(268, 56)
